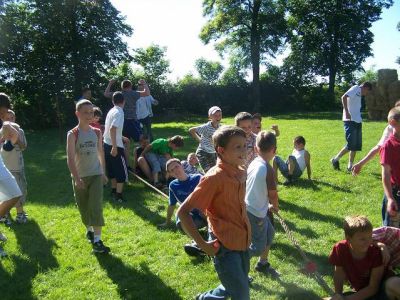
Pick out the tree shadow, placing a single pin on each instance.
(308, 232)
(40, 259)
(135, 284)
(316, 184)
(305, 213)
(310, 115)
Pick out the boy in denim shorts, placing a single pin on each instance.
(352, 121)
(295, 164)
(261, 196)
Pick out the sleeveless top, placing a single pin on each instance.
(299, 155)
(86, 158)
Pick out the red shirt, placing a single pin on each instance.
(390, 155)
(358, 271)
(98, 126)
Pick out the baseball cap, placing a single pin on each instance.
(213, 110)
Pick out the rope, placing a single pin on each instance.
(316, 274)
(288, 232)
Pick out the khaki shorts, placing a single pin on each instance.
(90, 200)
(21, 181)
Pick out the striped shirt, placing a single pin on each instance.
(390, 236)
(251, 151)
(220, 196)
(205, 132)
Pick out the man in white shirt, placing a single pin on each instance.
(352, 120)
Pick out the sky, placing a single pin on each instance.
(176, 24)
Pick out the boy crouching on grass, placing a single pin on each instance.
(85, 158)
(220, 196)
(260, 192)
(359, 261)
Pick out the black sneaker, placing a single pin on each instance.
(90, 236)
(267, 270)
(99, 247)
(335, 164)
(194, 250)
(120, 199)
(113, 195)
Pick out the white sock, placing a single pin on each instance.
(97, 238)
(89, 228)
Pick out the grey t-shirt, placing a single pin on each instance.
(130, 104)
(86, 158)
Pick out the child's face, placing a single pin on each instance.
(144, 142)
(173, 146)
(360, 241)
(9, 117)
(216, 117)
(193, 160)
(246, 125)
(85, 114)
(96, 119)
(298, 146)
(175, 169)
(256, 126)
(235, 151)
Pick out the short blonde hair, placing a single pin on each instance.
(81, 103)
(394, 114)
(354, 224)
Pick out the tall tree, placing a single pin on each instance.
(332, 38)
(208, 70)
(154, 63)
(50, 49)
(255, 29)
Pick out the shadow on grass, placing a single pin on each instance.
(135, 284)
(288, 252)
(315, 185)
(38, 248)
(308, 232)
(307, 214)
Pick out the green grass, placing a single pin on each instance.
(50, 259)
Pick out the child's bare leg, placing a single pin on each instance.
(341, 153)
(291, 166)
(351, 158)
(113, 183)
(120, 187)
(7, 205)
(275, 167)
(127, 150)
(155, 177)
(144, 166)
(392, 288)
(264, 256)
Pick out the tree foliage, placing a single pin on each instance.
(208, 70)
(332, 38)
(254, 29)
(50, 49)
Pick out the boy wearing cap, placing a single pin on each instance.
(203, 134)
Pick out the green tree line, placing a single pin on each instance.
(49, 50)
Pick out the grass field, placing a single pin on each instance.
(49, 257)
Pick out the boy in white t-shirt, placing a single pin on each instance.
(116, 166)
(14, 161)
(296, 163)
(9, 190)
(374, 150)
(352, 120)
(261, 196)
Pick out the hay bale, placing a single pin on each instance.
(385, 78)
(393, 93)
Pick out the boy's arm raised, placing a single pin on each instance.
(373, 286)
(107, 92)
(71, 160)
(9, 132)
(146, 90)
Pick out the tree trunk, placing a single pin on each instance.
(255, 56)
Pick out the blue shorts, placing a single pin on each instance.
(132, 129)
(157, 162)
(116, 166)
(262, 234)
(284, 166)
(353, 134)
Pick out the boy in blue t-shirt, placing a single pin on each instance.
(179, 189)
